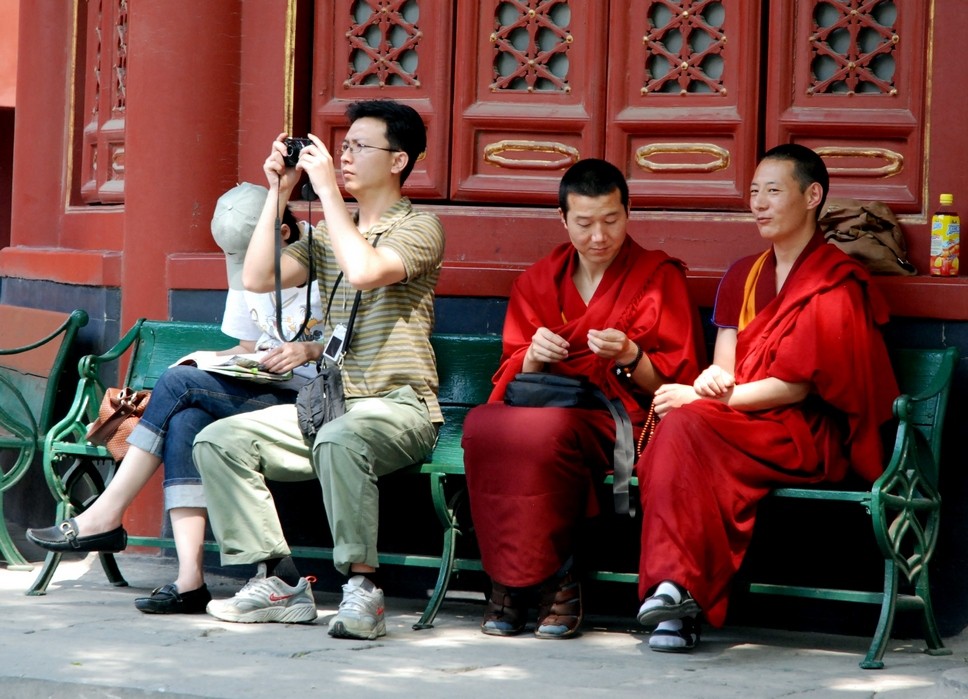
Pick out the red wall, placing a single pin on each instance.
(207, 92)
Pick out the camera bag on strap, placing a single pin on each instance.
(322, 398)
(539, 389)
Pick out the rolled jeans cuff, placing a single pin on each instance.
(144, 437)
(184, 495)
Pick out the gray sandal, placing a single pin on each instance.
(679, 641)
(659, 608)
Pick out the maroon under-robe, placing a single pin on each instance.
(708, 465)
(530, 470)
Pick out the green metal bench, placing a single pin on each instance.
(904, 503)
(31, 372)
(76, 470)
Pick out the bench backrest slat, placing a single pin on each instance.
(924, 375)
(465, 365)
(161, 343)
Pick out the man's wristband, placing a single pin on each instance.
(628, 369)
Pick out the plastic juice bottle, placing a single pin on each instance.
(945, 239)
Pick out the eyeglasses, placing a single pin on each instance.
(355, 147)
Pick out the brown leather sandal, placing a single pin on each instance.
(506, 611)
(559, 608)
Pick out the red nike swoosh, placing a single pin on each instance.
(273, 597)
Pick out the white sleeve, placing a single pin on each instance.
(237, 320)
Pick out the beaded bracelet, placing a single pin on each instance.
(629, 369)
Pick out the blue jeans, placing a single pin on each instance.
(183, 402)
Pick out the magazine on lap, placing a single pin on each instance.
(243, 366)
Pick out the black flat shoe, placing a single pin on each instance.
(63, 537)
(167, 600)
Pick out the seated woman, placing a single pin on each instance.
(186, 399)
(599, 307)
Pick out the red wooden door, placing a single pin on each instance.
(529, 96)
(683, 90)
(848, 78)
(399, 50)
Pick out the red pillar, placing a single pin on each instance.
(180, 140)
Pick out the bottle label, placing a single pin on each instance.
(945, 244)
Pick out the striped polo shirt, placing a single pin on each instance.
(391, 335)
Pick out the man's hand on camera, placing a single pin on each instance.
(317, 162)
(277, 174)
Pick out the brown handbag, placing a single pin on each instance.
(120, 411)
(869, 232)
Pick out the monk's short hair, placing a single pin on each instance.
(592, 177)
(808, 167)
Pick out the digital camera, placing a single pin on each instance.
(294, 147)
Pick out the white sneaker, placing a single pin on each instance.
(360, 613)
(265, 599)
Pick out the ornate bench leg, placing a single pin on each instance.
(448, 520)
(885, 623)
(931, 635)
(46, 573)
(108, 563)
(80, 485)
(111, 570)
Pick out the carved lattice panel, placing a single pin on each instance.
(685, 44)
(119, 67)
(103, 79)
(531, 42)
(854, 46)
(682, 102)
(529, 96)
(847, 78)
(387, 49)
(384, 44)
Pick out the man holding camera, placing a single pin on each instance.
(392, 254)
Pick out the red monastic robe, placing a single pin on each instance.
(708, 465)
(530, 470)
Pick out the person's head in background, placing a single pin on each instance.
(236, 213)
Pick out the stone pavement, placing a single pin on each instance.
(85, 640)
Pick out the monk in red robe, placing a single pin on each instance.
(599, 307)
(799, 387)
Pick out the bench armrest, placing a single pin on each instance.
(72, 428)
(920, 412)
(89, 367)
(905, 502)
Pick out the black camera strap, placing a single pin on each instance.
(278, 273)
(356, 305)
